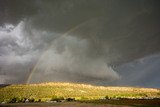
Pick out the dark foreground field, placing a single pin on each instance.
(93, 103)
(130, 102)
(64, 104)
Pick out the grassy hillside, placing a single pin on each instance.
(70, 90)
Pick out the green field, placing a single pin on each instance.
(46, 91)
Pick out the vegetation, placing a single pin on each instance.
(57, 98)
(70, 99)
(71, 92)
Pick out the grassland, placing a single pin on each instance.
(81, 92)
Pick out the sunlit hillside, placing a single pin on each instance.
(46, 91)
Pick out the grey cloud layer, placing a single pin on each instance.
(102, 34)
(68, 55)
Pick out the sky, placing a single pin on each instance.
(107, 42)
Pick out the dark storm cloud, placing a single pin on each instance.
(110, 23)
(102, 34)
(15, 11)
(147, 69)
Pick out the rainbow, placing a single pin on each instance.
(44, 53)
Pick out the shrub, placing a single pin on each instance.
(114, 97)
(12, 100)
(1, 100)
(107, 97)
(31, 100)
(39, 100)
(23, 100)
(56, 98)
(70, 99)
(61, 97)
(17, 100)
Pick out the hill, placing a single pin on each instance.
(46, 91)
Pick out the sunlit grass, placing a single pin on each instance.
(46, 91)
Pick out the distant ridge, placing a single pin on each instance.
(73, 90)
(88, 85)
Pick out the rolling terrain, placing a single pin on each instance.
(80, 92)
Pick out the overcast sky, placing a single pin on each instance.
(101, 42)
